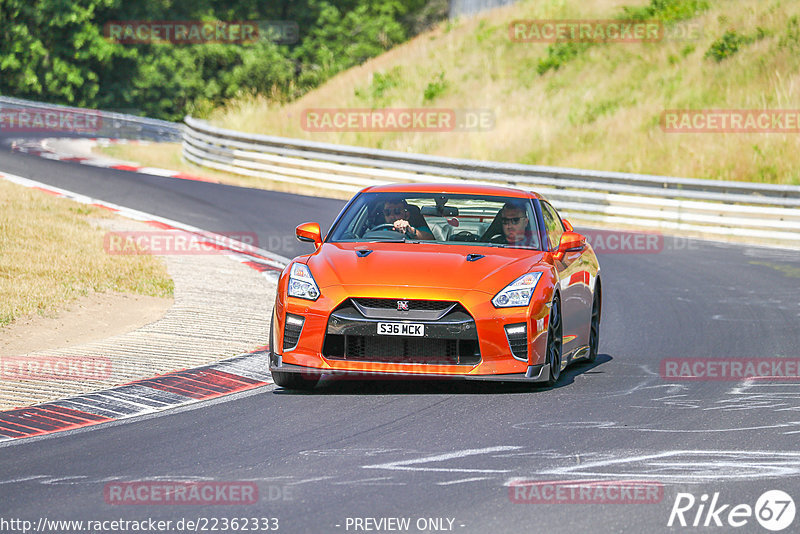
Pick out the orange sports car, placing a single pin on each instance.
(438, 280)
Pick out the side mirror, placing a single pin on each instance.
(570, 242)
(310, 233)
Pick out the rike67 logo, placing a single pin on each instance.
(774, 510)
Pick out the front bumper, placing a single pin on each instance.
(533, 374)
(494, 360)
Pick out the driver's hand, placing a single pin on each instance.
(401, 225)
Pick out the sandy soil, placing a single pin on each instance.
(87, 319)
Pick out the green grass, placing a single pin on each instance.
(50, 254)
(586, 105)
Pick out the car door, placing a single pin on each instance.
(576, 296)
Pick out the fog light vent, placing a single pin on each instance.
(517, 335)
(291, 331)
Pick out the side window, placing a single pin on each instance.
(553, 225)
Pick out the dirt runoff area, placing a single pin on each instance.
(92, 318)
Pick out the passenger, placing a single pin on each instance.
(516, 226)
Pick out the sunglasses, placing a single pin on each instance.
(511, 220)
(397, 211)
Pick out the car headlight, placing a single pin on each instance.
(301, 283)
(518, 292)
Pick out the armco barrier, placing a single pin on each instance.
(758, 212)
(111, 124)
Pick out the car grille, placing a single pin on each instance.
(423, 310)
(413, 305)
(396, 349)
(451, 337)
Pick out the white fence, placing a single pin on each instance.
(759, 212)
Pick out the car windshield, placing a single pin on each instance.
(438, 218)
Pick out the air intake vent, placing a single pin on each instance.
(291, 331)
(517, 335)
(402, 350)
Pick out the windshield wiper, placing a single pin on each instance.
(403, 240)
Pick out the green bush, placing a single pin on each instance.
(435, 88)
(666, 11)
(791, 37)
(381, 84)
(340, 40)
(725, 46)
(558, 54)
(731, 42)
(54, 51)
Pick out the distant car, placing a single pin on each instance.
(470, 303)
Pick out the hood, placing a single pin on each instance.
(420, 265)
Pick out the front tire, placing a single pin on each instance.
(554, 342)
(594, 326)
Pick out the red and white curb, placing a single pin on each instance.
(141, 397)
(159, 393)
(43, 149)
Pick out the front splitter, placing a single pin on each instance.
(534, 374)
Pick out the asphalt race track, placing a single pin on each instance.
(443, 453)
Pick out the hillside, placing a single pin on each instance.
(595, 106)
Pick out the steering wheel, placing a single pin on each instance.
(464, 235)
(389, 226)
(497, 238)
(382, 231)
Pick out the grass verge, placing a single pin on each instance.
(51, 254)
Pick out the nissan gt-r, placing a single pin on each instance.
(438, 281)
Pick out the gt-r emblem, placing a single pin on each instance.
(402, 305)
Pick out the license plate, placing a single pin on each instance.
(401, 329)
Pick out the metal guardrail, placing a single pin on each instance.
(466, 8)
(760, 212)
(110, 124)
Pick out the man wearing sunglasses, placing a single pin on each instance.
(516, 230)
(396, 212)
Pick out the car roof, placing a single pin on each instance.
(453, 188)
